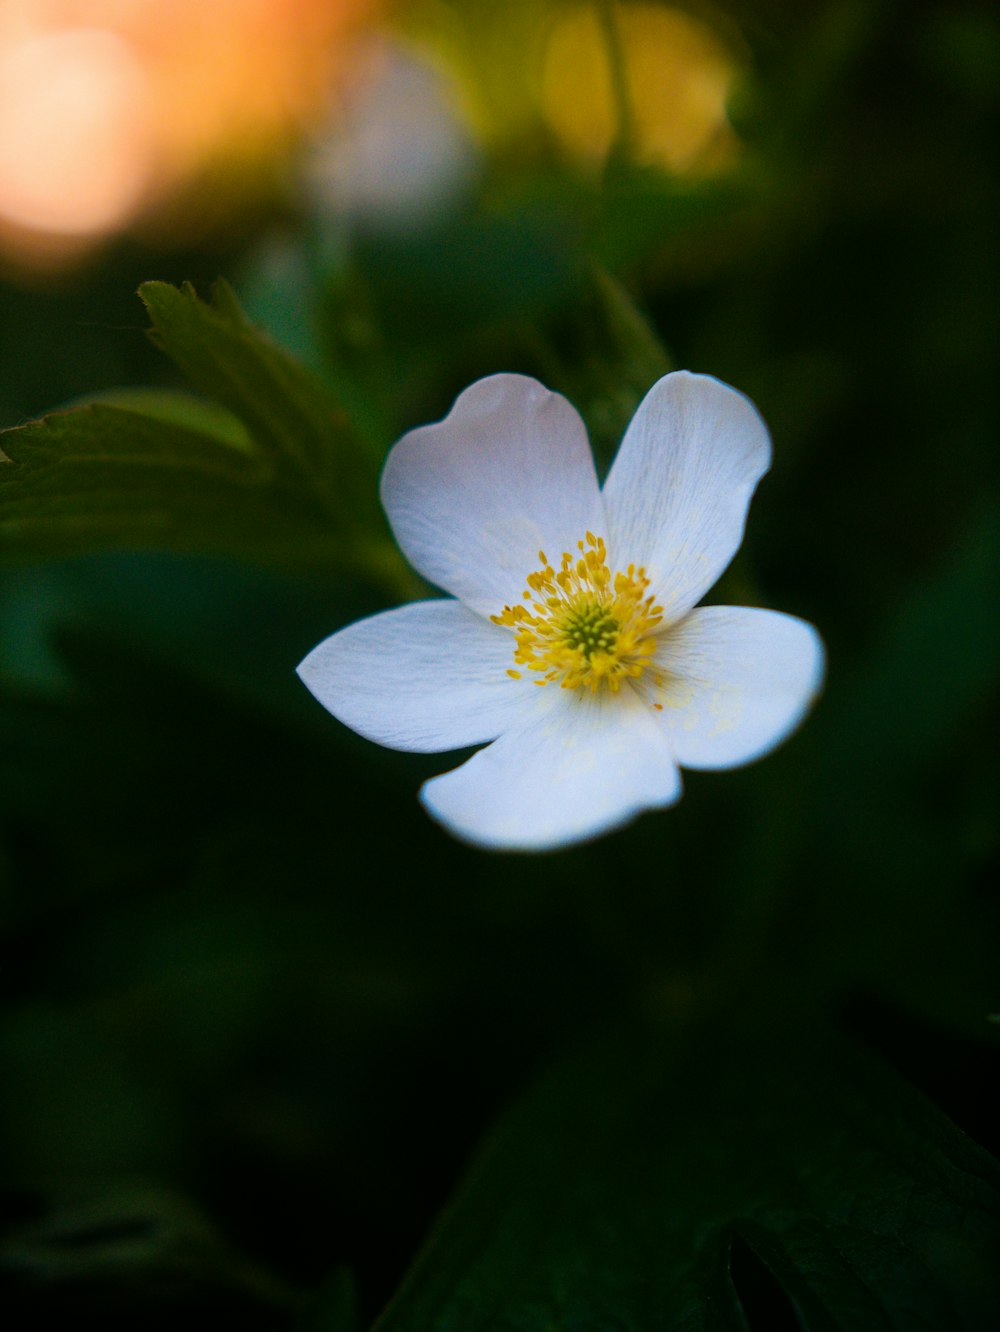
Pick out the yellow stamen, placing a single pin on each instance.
(581, 627)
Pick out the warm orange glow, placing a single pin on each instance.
(678, 74)
(75, 132)
(113, 110)
(239, 72)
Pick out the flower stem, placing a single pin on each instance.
(607, 18)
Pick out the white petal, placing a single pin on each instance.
(427, 676)
(736, 682)
(474, 498)
(677, 494)
(590, 763)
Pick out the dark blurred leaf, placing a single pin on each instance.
(104, 476)
(176, 408)
(267, 470)
(287, 411)
(138, 1243)
(612, 1195)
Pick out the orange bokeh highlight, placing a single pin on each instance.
(163, 113)
(75, 132)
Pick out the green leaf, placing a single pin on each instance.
(265, 469)
(105, 476)
(141, 1240)
(612, 1196)
(207, 418)
(287, 410)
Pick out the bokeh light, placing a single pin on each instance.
(678, 74)
(168, 113)
(75, 131)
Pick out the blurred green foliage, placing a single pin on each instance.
(258, 1011)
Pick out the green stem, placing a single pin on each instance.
(622, 149)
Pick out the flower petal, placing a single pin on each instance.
(588, 764)
(677, 494)
(736, 682)
(474, 498)
(426, 677)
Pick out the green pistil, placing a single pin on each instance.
(592, 630)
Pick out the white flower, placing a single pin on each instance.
(573, 642)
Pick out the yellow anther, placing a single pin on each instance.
(583, 627)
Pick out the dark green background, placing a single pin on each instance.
(258, 1010)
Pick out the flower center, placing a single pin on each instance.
(580, 625)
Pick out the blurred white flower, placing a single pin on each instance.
(398, 152)
(593, 673)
